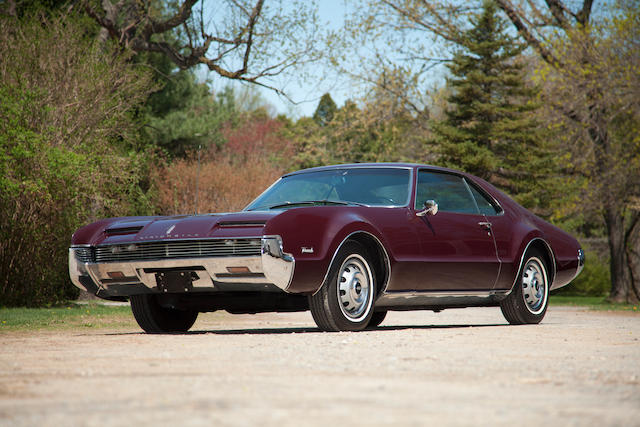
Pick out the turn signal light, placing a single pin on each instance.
(238, 270)
(115, 274)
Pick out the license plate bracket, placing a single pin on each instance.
(176, 281)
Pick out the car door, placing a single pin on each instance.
(457, 249)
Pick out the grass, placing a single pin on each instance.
(592, 303)
(70, 316)
(92, 315)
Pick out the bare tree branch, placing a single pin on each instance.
(525, 32)
(139, 28)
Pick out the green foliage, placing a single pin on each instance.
(325, 111)
(183, 114)
(67, 132)
(593, 281)
(490, 129)
(370, 133)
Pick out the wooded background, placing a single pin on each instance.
(101, 114)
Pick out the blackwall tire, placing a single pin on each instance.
(345, 300)
(155, 319)
(528, 301)
(377, 318)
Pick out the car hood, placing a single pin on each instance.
(140, 229)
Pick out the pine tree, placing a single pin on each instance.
(325, 111)
(490, 129)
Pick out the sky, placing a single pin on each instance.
(306, 95)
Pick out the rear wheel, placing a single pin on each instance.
(345, 300)
(527, 303)
(155, 319)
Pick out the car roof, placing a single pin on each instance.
(374, 165)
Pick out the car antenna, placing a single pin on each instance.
(197, 176)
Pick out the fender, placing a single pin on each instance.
(385, 255)
(313, 236)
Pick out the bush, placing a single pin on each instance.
(593, 281)
(66, 157)
(226, 183)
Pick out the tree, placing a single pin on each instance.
(543, 27)
(597, 93)
(325, 111)
(489, 129)
(253, 40)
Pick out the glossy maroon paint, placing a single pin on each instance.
(445, 252)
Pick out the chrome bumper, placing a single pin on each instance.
(581, 260)
(273, 266)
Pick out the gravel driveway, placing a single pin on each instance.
(458, 367)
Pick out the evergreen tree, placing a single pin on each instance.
(325, 110)
(490, 129)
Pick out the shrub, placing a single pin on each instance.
(593, 281)
(66, 157)
(226, 183)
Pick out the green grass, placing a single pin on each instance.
(592, 303)
(92, 315)
(70, 316)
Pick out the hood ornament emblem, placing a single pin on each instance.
(170, 229)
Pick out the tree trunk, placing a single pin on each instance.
(620, 277)
(633, 257)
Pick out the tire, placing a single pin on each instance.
(155, 319)
(345, 300)
(528, 301)
(377, 319)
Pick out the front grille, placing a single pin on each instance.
(84, 254)
(178, 249)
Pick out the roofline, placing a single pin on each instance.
(396, 165)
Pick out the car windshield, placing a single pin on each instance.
(358, 186)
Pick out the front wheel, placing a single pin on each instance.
(527, 303)
(345, 300)
(376, 319)
(155, 319)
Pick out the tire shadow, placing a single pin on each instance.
(309, 330)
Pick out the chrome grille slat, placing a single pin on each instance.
(178, 249)
(84, 254)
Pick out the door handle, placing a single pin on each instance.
(485, 225)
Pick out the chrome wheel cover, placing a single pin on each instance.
(535, 286)
(355, 288)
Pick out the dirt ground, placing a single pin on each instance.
(458, 367)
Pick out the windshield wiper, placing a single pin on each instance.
(314, 202)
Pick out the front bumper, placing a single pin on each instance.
(273, 267)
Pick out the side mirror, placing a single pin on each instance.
(430, 208)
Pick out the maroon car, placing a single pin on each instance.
(348, 242)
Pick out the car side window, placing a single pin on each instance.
(449, 191)
(484, 204)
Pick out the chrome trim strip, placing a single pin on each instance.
(384, 250)
(550, 253)
(445, 294)
(278, 265)
(416, 298)
(175, 239)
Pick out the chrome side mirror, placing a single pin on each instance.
(430, 208)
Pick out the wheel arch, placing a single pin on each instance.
(376, 250)
(549, 258)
